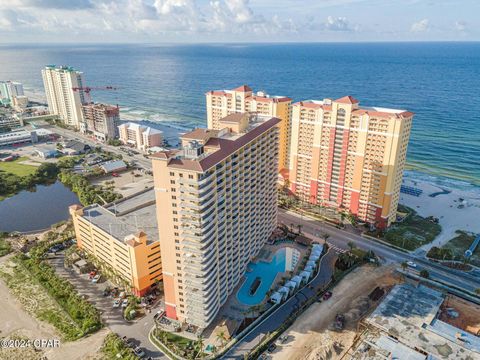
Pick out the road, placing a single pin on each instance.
(281, 314)
(340, 238)
(137, 330)
(69, 134)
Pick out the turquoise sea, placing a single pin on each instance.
(165, 84)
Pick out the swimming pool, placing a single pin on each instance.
(284, 259)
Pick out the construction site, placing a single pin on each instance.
(416, 322)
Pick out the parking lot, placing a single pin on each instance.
(136, 331)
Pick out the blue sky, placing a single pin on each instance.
(238, 20)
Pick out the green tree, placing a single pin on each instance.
(222, 337)
(424, 273)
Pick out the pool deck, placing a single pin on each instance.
(235, 311)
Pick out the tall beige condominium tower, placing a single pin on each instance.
(62, 99)
(216, 207)
(221, 103)
(349, 157)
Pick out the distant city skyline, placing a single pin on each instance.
(187, 21)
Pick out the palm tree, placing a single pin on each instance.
(404, 265)
(200, 346)
(424, 273)
(222, 338)
(299, 229)
(351, 245)
(325, 237)
(477, 291)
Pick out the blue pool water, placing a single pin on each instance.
(284, 259)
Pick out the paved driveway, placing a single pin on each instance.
(137, 330)
(279, 316)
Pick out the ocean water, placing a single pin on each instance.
(439, 82)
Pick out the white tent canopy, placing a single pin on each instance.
(305, 275)
(277, 297)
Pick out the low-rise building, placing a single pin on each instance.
(46, 152)
(140, 136)
(18, 137)
(113, 166)
(9, 122)
(74, 147)
(417, 322)
(20, 103)
(124, 236)
(101, 120)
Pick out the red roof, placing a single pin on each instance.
(347, 100)
(243, 88)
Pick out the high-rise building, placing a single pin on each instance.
(349, 157)
(101, 120)
(124, 236)
(64, 88)
(221, 103)
(9, 90)
(140, 136)
(216, 207)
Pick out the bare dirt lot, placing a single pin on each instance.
(466, 314)
(313, 336)
(16, 323)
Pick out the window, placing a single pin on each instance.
(176, 234)
(174, 212)
(175, 226)
(177, 247)
(190, 176)
(181, 175)
(174, 197)
(172, 182)
(173, 189)
(179, 262)
(172, 173)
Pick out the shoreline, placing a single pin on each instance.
(456, 208)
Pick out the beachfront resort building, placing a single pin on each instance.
(10, 90)
(221, 103)
(216, 207)
(101, 120)
(140, 136)
(349, 157)
(124, 236)
(64, 88)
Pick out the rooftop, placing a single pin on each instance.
(127, 216)
(326, 105)
(216, 145)
(408, 315)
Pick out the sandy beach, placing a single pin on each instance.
(453, 213)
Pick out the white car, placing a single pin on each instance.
(139, 352)
(116, 303)
(96, 278)
(124, 303)
(411, 264)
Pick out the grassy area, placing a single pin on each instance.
(37, 301)
(15, 167)
(5, 247)
(114, 348)
(455, 249)
(178, 344)
(413, 232)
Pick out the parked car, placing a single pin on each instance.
(327, 295)
(139, 352)
(96, 278)
(122, 295)
(411, 264)
(115, 175)
(271, 348)
(159, 314)
(124, 303)
(106, 291)
(116, 303)
(92, 274)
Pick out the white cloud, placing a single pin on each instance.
(420, 26)
(337, 24)
(460, 26)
